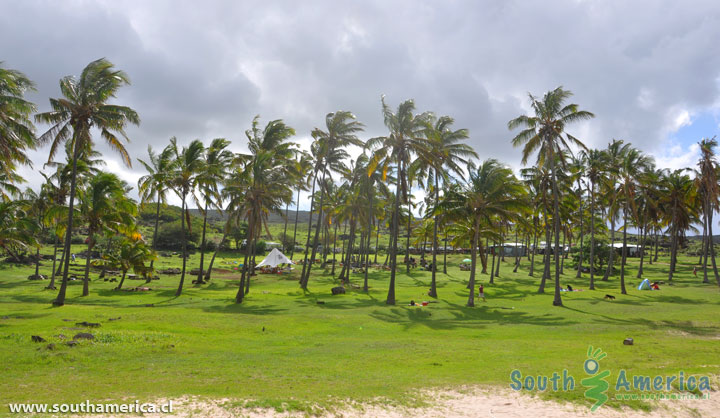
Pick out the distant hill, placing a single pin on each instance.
(214, 215)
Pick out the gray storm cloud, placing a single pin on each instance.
(203, 71)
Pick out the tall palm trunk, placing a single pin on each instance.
(445, 250)
(592, 235)
(657, 244)
(517, 250)
(501, 255)
(393, 247)
(546, 257)
(155, 231)
(184, 247)
(122, 280)
(705, 248)
(287, 208)
(307, 243)
(332, 268)
(60, 300)
(377, 241)
(86, 278)
(251, 232)
(433, 283)
(582, 235)
(712, 245)
(624, 250)
(297, 213)
(317, 234)
(492, 266)
(534, 246)
(611, 258)
(557, 301)
(202, 246)
(643, 237)
(407, 241)
(673, 245)
(52, 273)
(473, 264)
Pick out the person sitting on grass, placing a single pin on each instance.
(569, 288)
(655, 286)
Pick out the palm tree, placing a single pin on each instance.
(545, 132)
(492, 197)
(217, 162)
(631, 167)
(156, 184)
(710, 192)
(614, 155)
(677, 195)
(17, 227)
(259, 186)
(103, 205)
(406, 138)
(447, 154)
(134, 254)
(17, 133)
(329, 147)
(83, 108)
(189, 163)
(594, 161)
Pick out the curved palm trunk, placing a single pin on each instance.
(155, 232)
(297, 213)
(557, 301)
(307, 244)
(712, 246)
(592, 235)
(473, 264)
(501, 256)
(306, 278)
(202, 247)
(624, 251)
(86, 279)
(393, 247)
(705, 248)
(184, 248)
(122, 280)
(212, 260)
(60, 300)
(492, 268)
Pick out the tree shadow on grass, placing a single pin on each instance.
(465, 317)
(243, 308)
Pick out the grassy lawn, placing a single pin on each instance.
(281, 346)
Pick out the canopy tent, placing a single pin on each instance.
(274, 259)
(644, 285)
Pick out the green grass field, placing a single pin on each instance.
(282, 349)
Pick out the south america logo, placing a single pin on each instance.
(596, 383)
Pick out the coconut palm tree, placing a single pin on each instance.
(133, 254)
(492, 197)
(217, 163)
(594, 162)
(17, 133)
(258, 185)
(710, 193)
(445, 157)
(157, 183)
(677, 196)
(405, 140)
(84, 108)
(104, 205)
(545, 133)
(614, 155)
(633, 164)
(330, 152)
(189, 164)
(17, 227)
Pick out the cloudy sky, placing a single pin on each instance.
(649, 70)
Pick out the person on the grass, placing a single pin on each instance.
(481, 293)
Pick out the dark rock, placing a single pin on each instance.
(339, 290)
(628, 341)
(37, 277)
(50, 346)
(71, 343)
(88, 324)
(61, 337)
(114, 319)
(83, 336)
(37, 339)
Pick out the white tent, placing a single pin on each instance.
(274, 259)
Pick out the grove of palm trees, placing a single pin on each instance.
(408, 224)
